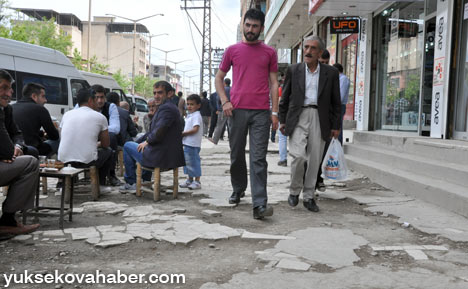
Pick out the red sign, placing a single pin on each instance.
(314, 5)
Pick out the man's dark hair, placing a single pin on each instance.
(194, 97)
(325, 54)
(205, 94)
(227, 81)
(32, 88)
(164, 84)
(98, 88)
(84, 95)
(255, 14)
(339, 67)
(4, 75)
(113, 97)
(179, 94)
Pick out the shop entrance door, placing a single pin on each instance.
(428, 75)
(349, 58)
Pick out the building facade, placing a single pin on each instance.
(112, 43)
(407, 61)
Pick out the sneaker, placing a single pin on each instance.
(195, 185)
(127, 188)
(185, 185)
(283, 163)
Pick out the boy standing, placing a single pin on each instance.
(192, 137)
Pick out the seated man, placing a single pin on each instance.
(83, 130)
(20, 173)
(109, 110)
(127, 126)
(162, 146)
(152, 107)
(30, 115)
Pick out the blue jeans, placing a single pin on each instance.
(192, 161)
(131, 157)
(283, 146)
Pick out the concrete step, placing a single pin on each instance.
(422, 165)
(452, 151)
(436, 191)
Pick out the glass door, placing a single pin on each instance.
(349, 54)
(428, 74)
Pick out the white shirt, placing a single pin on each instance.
(80, 129)
(193, 119)
(311, 85)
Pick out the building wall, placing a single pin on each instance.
(76, 37)
(116, 49)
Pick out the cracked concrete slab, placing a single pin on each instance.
(369, 277)
(332, 247)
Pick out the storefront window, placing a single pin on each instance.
(399, 60)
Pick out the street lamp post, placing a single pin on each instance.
(175, 67)
(183, 77)
(134, 41)
(151, 37)
(165, 59)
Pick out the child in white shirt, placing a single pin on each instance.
(192, 137)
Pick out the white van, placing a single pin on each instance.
(140, 106)
(51, 68)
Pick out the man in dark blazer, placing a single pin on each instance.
(162, 146)
(19, 172)
(309, 113)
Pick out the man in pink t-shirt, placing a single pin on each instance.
(254, 70)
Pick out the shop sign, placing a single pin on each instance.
(440, 70)
(360, 77)
(344, 26)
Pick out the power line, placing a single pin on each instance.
(193, 40)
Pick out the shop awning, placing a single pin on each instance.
(285, 26)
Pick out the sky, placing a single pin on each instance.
(225, 16)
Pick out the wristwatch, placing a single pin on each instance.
(274, 113)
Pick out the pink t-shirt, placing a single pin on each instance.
(251, 66)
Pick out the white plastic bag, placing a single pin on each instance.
(334, 164)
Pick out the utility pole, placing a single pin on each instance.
(205, 67)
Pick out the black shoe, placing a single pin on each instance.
(321, 186)
(283, 163)
(235, 197)
(311, 205)
(293, 200)
(261, 212)
(114, 181)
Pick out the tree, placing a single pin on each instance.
(122, 80)
(43, 33)
(144, 86)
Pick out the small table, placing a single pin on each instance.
(67, 177)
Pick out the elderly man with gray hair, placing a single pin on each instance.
(309, 113)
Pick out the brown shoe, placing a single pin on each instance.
(20, 229)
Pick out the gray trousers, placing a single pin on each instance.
(306, 147)
(206, 124)
(22, 177)
(257, 124)
(222, 119)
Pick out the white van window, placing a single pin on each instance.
(76, 85)
(141, 105)
(56, 90)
